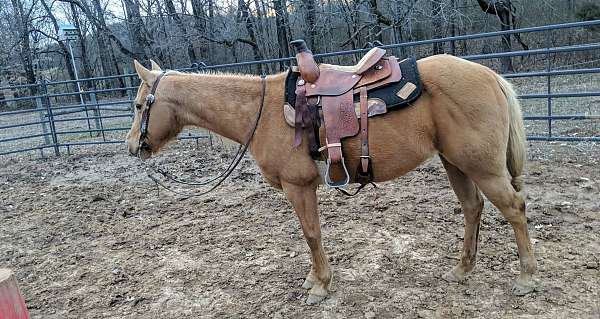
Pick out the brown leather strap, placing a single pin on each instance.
(300, 109)
(364, 129)
(364, 171)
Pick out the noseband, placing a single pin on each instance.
(150, 98)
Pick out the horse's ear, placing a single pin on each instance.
(155, 66)
(144, 74)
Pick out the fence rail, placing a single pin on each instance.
(54, 117)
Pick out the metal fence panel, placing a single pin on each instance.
(52, 117)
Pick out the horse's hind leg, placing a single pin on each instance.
(512, 205)
(471, 204)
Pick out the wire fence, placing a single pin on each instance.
(559, 89)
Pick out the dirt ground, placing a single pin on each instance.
(88, 237)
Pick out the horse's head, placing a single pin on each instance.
(154, 122)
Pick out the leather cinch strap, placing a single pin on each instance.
(364, 172)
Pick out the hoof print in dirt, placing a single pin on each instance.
(520, 289)
(453, 276)
(314, 300)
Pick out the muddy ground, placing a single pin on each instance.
(88, 237)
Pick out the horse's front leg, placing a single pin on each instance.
(304, 201)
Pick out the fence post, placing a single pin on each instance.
(97, 115)
(46, 102)
(128, 83)
(548, 84)
(43, 117)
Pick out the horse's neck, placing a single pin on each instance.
(224, 104)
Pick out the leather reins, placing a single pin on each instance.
(239, 155)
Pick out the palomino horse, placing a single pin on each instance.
(467, 114)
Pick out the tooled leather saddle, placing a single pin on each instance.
(335, 97)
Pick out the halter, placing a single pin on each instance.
(150, 98)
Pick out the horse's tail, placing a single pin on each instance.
(515, 152)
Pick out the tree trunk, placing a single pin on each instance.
(102, 40)
(179, 22)
(571, 4)
(453, 27)
(244, 17)
(65, 52)
(87, 72)
(282, 36)
(24, 46)
(376, 27)
(504, 10)
(506, 62)
(137, 32)
(310, 17)
(200, 25)
(436, 10)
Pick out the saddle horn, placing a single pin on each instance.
(306, 62)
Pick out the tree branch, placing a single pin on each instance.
(44, 34)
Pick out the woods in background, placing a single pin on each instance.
(178, 33)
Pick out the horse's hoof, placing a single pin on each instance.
(314, 299)
(522, 288)
(454, 275)
(307, 284)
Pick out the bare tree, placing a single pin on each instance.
(137, 32)
(179, 22)
(63, 47)
(506, 13)
(200, 23)
(281, 21)
(22, 27)
(310, 16)
(436, 14)
(177, 32)
(244, 17)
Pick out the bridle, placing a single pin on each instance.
(148, 101)
(239, 155)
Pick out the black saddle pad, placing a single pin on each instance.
(387, 93)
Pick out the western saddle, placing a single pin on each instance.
(325, 95)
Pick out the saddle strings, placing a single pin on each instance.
(239, 155)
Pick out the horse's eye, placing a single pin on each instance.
(138, 106)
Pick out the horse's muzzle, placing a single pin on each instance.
(144, 151)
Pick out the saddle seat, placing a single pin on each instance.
(365, 63)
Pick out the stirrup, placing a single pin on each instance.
(336, 184)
